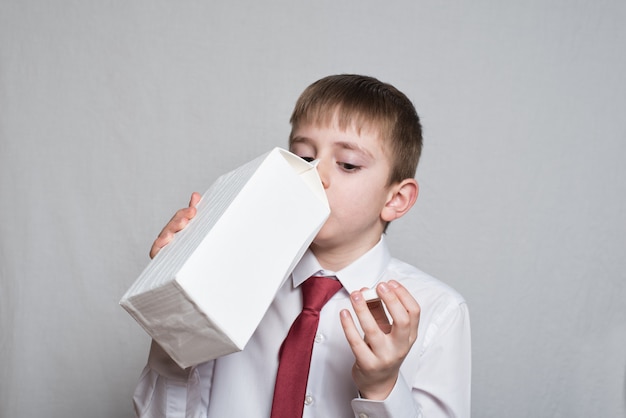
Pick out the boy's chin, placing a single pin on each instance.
(323, 240)
(318, 241)
(323, 234)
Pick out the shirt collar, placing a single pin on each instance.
(365, 271)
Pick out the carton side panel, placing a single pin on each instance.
(237, 270)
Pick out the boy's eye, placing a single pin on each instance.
(349, 167)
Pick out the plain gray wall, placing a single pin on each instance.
(112, 113)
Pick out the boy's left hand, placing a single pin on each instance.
(379, 355)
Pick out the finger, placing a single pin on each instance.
(404, 310)
(407, 299)
(182, 216)
(178, 222)
(154, 250)
(158, 243)
(195, 198)
(371, 330)
(399, 315)
(360, 349)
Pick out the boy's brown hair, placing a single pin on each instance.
(365, 102)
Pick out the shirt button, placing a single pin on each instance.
(308, 400)
(363, 415)
(319, 338)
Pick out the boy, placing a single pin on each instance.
(366, 136)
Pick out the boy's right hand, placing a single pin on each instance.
(178, 222)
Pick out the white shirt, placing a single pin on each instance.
(434, 378)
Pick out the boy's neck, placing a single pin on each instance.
(336, 259)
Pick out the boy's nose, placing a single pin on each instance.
(322, 170)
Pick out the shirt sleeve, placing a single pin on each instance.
(167, 391)
(440, 384)
(399, 404)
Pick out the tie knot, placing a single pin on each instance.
(317, 290)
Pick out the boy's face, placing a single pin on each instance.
(354, 171)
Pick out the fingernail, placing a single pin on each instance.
(356, 296)
(383, 288)
(394, 284)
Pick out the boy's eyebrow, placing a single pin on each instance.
(354, 147)
(351, 146)
(300, 139)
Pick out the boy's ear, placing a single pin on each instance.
(402, 197)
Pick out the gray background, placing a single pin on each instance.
(113, 112)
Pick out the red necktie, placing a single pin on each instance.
(295, 353)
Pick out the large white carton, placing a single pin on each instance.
(205, 293)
